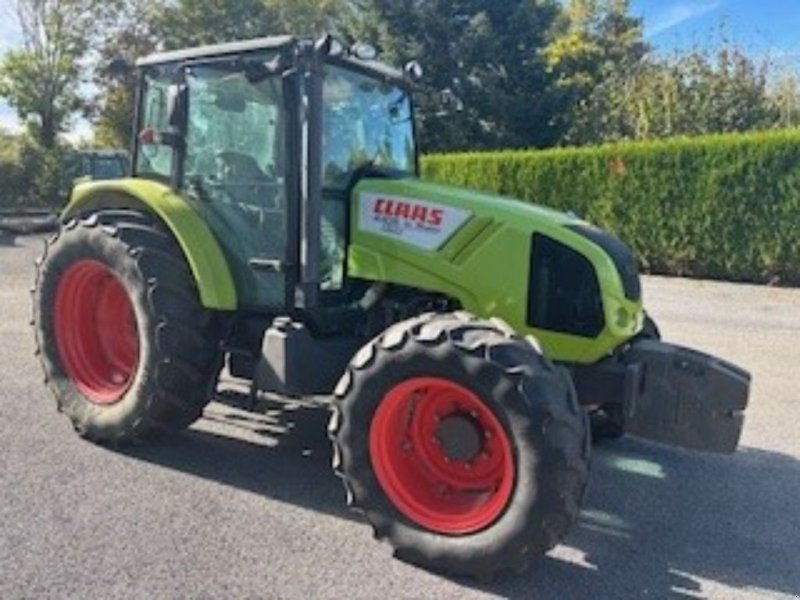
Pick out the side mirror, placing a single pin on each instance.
(149, 137)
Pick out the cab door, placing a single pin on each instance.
(234, 172)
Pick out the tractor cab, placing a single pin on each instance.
(266, 139)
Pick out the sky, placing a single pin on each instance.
(9, 38)
(765, 28)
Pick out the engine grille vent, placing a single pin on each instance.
(563, 293)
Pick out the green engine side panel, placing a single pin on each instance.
(206, 259)
(477, 248)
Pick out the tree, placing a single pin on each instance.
(785, 99)
(689, 94)
(593, 41)
(41, 81)
(141, 26)
(306, 17)
(128, 38)
(620, 35)
(186, 23)
(196, 22)
(486, 53)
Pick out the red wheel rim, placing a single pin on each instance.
(441, 456)
(96, 332)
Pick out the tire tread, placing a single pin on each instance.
(186, 366)
(515, 359)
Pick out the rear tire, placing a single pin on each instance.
(474, 530)
(126, 347)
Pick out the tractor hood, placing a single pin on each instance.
(544, 272)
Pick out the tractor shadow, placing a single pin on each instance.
(282, 453)
(657, 521)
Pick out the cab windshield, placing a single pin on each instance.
(365, 122)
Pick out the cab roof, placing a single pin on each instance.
(274, 43)
(267, 43)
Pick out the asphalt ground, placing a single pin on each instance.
(246, 506)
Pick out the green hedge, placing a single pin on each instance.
(723, 207)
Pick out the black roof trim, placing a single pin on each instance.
(267, 43)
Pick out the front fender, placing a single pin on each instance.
(203, 253)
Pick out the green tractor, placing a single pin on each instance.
(274, 226)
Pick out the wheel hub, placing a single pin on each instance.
(96, 332)
(460, 437)
(441, 456)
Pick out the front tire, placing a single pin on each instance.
(462, 445)
(126, 347)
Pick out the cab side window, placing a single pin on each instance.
(154, 159)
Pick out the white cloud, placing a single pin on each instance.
(677, 13)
